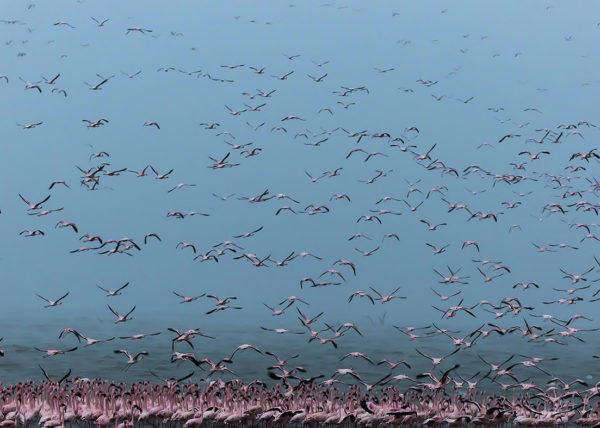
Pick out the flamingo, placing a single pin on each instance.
(186, 299)
(35, 206)
(131, 359)
(53, 352)
(155, 124)
(389, 297)
(122, 318)
(114, 293)
(53, 303)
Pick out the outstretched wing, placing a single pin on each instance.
(122, 287)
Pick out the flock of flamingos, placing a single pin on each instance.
(505, 386)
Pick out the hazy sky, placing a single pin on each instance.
(517, 56)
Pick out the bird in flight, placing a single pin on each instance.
(100, 23)
(53, 303)
(114, 293)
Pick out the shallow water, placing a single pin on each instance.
(378, 342)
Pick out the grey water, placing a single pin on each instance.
(379, 341)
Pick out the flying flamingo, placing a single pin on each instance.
(432, 228)
(436, 361)
(29, 233)
(53, 352)
(186, 299)
(62, 224)
(243, 348)
(117, 292)
(388, 298)
(52, 303)
(139, 336)
(35, 206)
(131, 359)
(31, 125)
(122, 318)
(277, 311)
